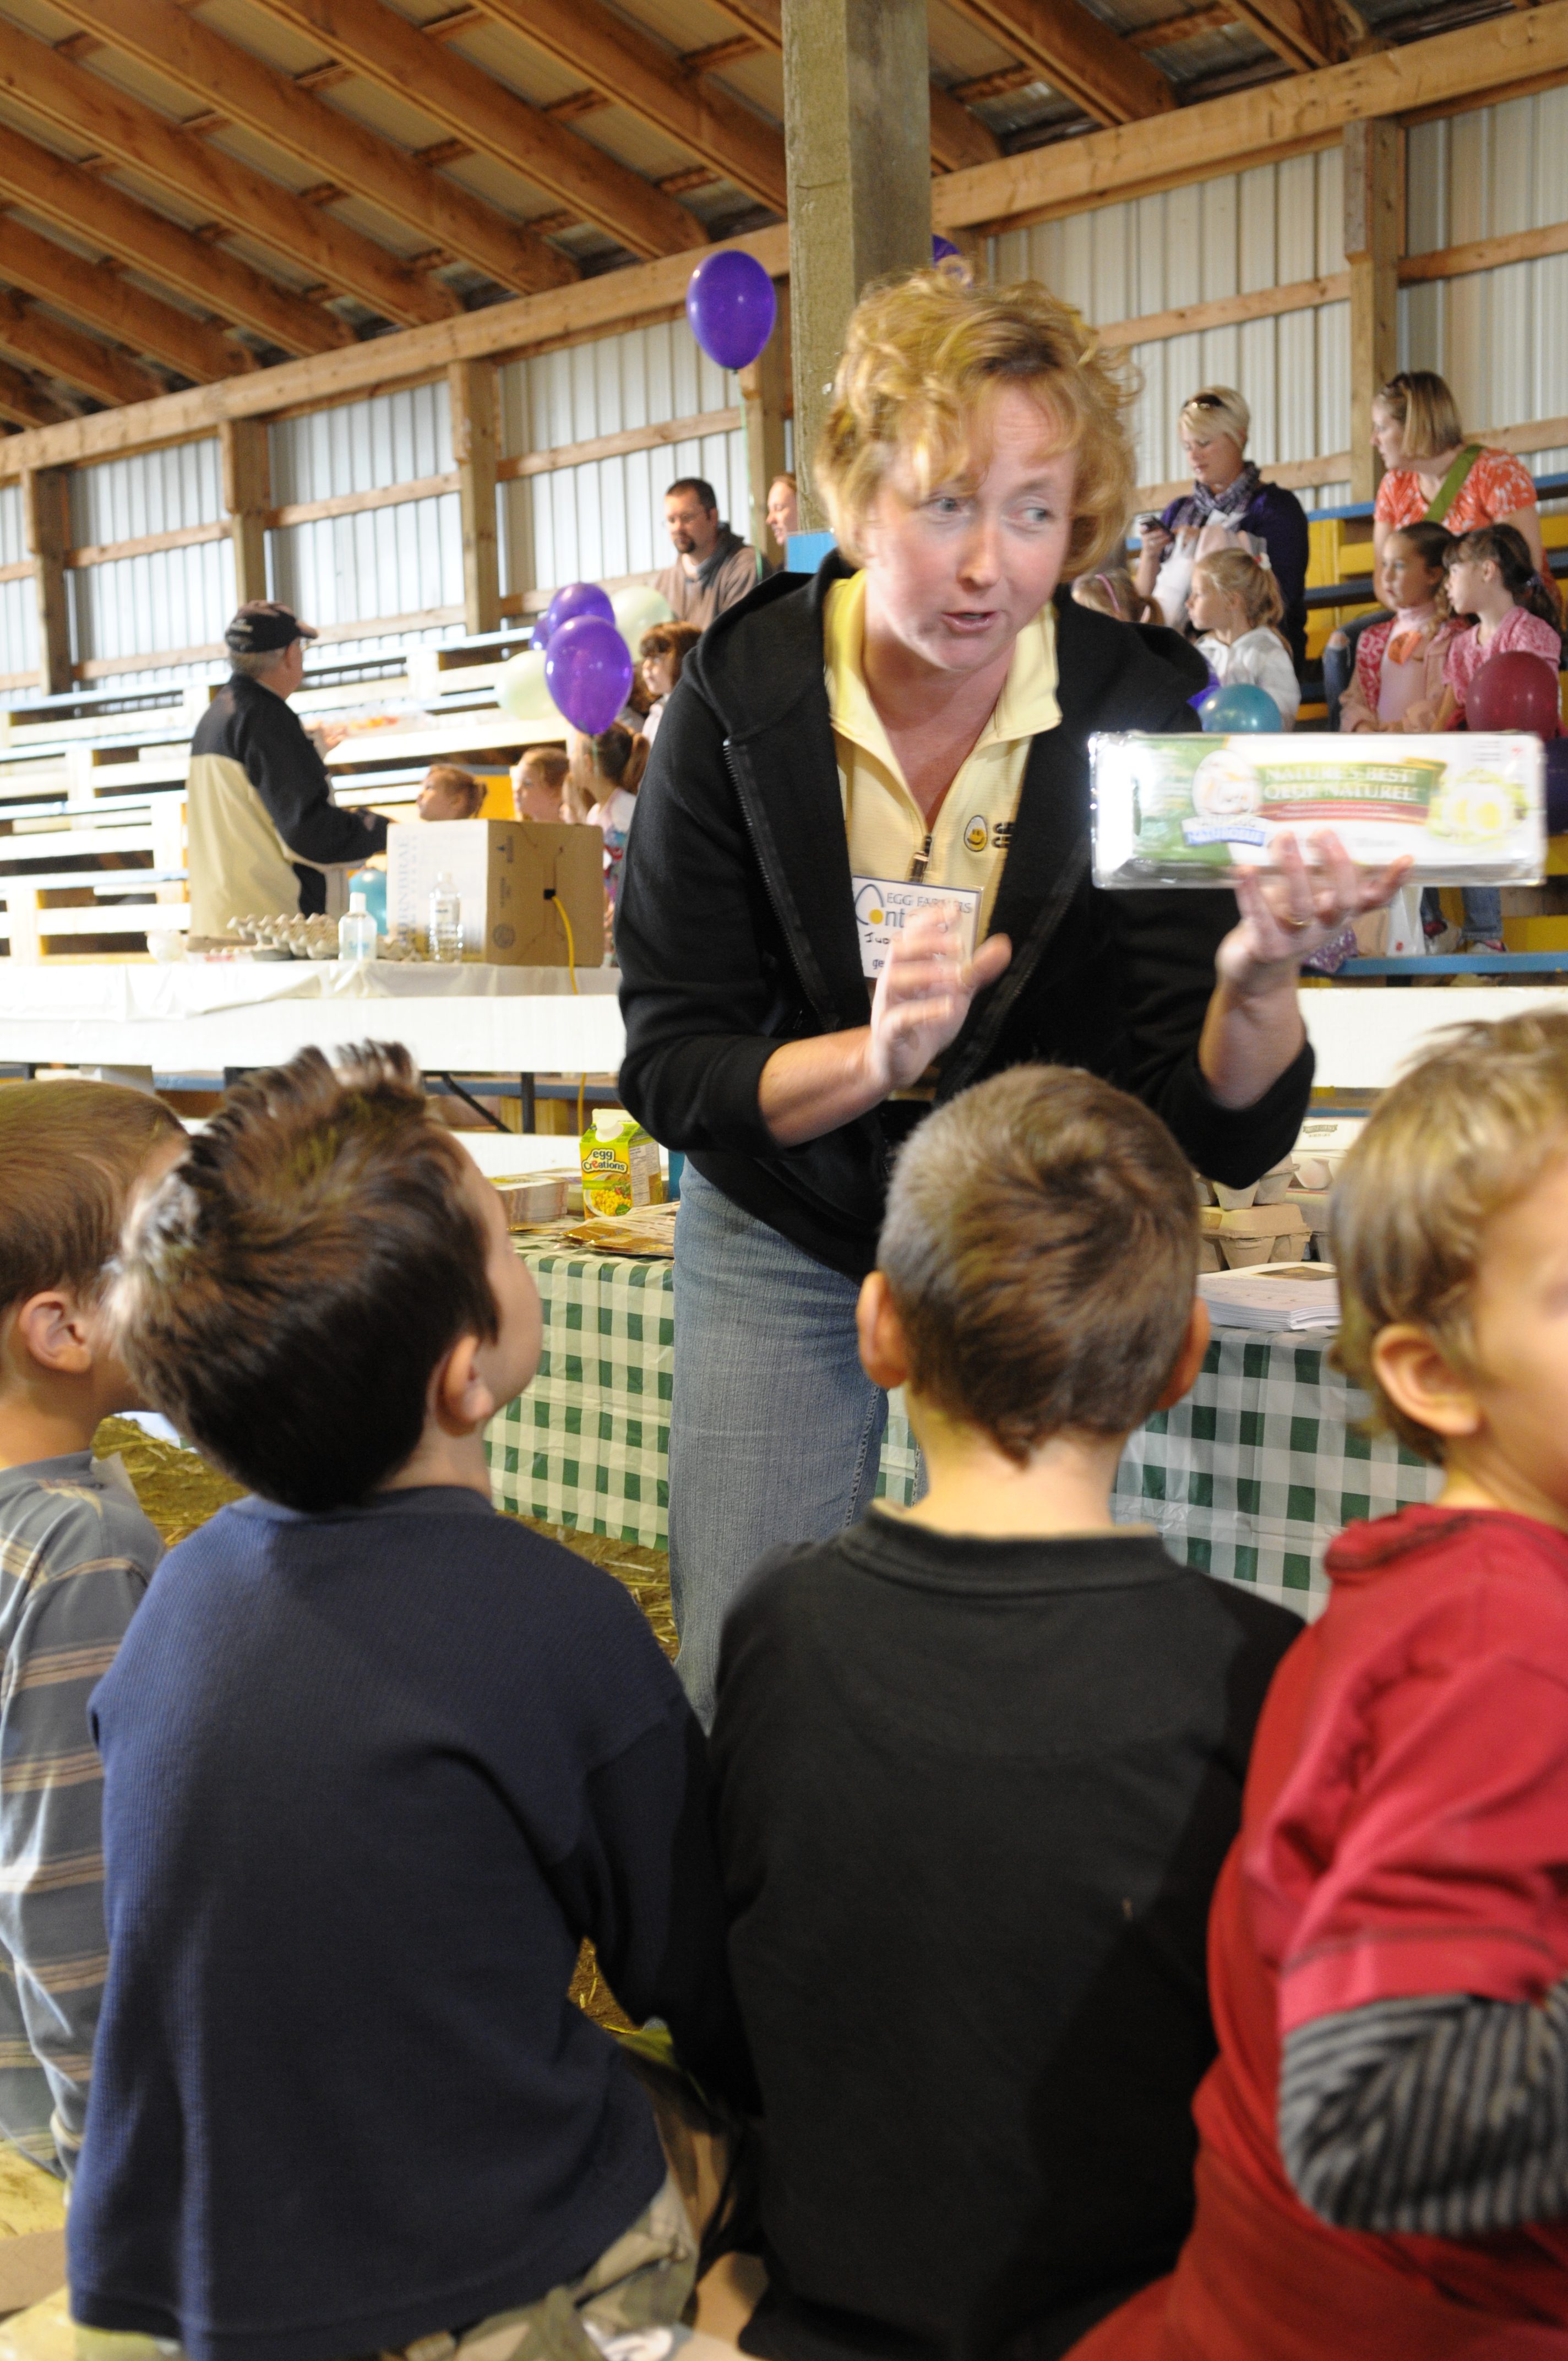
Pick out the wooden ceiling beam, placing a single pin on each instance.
(352, 159)
(1284, 117)
(1077, 56)
(1165, 33)
(395, 54)
(1305, 33)
(87, 107)
(33, 339)
(958, 139)
(102, 302)
(25, 403)
(629, 68)
(77, 200)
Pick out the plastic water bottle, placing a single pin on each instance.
(446, 919)
(357, 931)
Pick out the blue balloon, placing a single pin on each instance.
(573, 599)
(588, 670)
(732, 306)
(1238, 708)
(1200, 696)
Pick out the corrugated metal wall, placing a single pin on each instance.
(1500, 337)
(19, 610)
(396, 561)
(1233, 236)
(168, 598)
(605, 518)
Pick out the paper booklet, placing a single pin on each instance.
(1277, 1296)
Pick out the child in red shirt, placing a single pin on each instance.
(1383, 2170)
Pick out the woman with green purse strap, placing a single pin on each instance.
(1432, 476)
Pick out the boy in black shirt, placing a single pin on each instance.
(376, 1761)
(979, 1764)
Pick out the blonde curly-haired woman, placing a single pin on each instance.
(919, 713)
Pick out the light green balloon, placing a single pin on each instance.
(520, 690)
(637, 608)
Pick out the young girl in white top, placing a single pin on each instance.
(602, 777)
(1235, 606)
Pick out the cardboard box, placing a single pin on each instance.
(502, 870)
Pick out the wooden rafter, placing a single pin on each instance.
(1166, 31)
(87, 107)
(1077, 55)
(395, 54)
(1305, 33)
(187, 52)
(32, 337)
(629, 68)
(957, 137)
(102, 301)
(82, 203)
(25, 403)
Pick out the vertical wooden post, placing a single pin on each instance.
(46, 511)
(857, 151)
(247, 497)
(767, 395)
(1372, 215)
(473, 392)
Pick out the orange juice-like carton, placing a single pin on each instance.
(620, 1165)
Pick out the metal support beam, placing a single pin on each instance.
(46, 517)
(858, 133)
(1373, 164)
(472, 385)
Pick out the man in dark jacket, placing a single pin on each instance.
(262, 824)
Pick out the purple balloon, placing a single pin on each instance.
(942, 247)
(588, 670)
(574, 600)
(732, 306)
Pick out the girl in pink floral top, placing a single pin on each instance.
(1398, 678)
(1490, 577)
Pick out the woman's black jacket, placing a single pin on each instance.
(735, 930)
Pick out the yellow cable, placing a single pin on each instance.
(572, 971)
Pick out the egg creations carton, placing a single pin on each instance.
(1468, 808)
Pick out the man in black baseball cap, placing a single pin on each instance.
(263, 828)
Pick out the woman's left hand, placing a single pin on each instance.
(1293, 909)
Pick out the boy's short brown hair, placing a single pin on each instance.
(1456, 1142)
(1041, 1249)
(71, 1155)
(288, 1289)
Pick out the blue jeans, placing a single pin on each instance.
(1482, 913)
(775, 1430)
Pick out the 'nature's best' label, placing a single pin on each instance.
(1178, 810)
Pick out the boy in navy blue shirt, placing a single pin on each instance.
(376, 1761)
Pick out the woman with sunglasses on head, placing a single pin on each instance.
(1229, 507)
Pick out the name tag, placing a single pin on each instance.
(884, 905)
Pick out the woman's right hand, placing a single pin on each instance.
(923, 995)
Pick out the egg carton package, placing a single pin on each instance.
(1469, 810)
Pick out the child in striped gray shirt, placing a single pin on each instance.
(76, 1555)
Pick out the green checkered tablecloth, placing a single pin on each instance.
(1252, 1475)
(1249, 1477)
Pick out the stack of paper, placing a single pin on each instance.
(1277, 1296)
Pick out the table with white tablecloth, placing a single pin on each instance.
(193, 1016)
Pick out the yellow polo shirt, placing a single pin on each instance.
(885, 826)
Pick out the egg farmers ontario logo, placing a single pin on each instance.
(869, 907)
